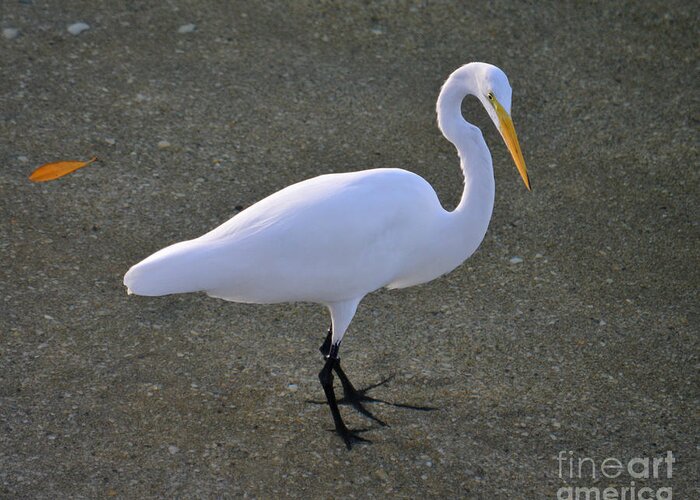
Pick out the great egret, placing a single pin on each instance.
(337, 237)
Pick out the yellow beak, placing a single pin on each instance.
(511, 139)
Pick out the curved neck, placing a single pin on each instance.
(469, 221)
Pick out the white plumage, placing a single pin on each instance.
(334, 238)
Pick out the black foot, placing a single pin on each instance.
(351, 437)
(356, 397)
(326, 379)
(351, 396)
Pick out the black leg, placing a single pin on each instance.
(355, 398)
(325, 376)
(351, 395)
(326, 346)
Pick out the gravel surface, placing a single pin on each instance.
(572, 332)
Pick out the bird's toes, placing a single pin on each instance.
(351, 437)
(314, 402)
(356, 397)
(359, 407)
(412, 407)
(376, 384)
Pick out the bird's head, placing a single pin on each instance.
(495, 94)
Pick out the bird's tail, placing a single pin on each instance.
(174, 269)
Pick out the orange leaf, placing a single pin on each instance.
(51, 171)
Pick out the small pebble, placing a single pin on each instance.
(172, 449)
(110, 141)
(163, 144)
(78, 28)
(187, 28)
(23, 159)
(10, 33)
(292, 387)
(516, 260)
(381, 474)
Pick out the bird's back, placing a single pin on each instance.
(325, 239)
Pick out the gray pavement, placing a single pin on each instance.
(586, 348)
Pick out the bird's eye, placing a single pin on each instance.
(490, 96)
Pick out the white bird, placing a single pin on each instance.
(335, 238)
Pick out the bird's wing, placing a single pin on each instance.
(328, 238)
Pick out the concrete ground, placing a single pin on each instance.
(588, 348)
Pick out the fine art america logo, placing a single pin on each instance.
(639, 478)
